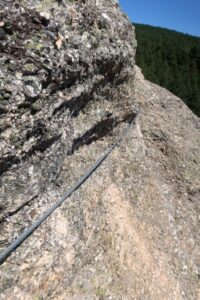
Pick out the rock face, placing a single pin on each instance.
(64, 70)
(68, 88)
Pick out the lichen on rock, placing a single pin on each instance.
(58, 59)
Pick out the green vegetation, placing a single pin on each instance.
(172, 60)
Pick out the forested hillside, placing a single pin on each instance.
(172, 60)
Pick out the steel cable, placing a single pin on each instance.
(7, 252)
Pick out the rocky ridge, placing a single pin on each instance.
(68, 88)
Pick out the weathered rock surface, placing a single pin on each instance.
(131, 231)
(64, 72)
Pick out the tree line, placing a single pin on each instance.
(172, 60)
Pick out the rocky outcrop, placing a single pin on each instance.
(65, 67)
(131, 231)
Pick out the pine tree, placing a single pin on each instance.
(171, 59)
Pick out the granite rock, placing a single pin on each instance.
(68, 87)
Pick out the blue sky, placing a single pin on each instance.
(181, 15)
